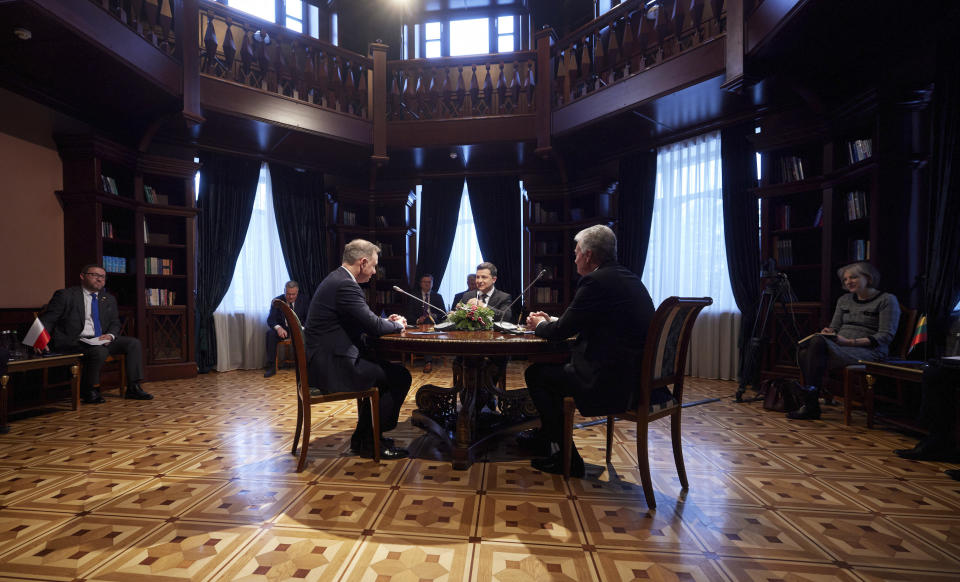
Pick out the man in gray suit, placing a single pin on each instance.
(86, 312)
(337, 322)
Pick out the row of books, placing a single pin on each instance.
(106, 229)
(154, 238)
(543, 215)
(114, 264)
(150, 195)
(386, 249)
(349, 218)
(783, 220)
(386, 297)
(158, 266)
(783, 252)
(856, 205)
(790, 169)
(860, 250)
(551, 271)
(859, 149)
(160, 297)
(109, 185)
(547, 247)
(382, 221)
(546, 295)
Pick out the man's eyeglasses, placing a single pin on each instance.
(96, 275)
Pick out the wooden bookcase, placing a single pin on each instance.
(123, 231)
(553, 214)
(386, 219)
(822, 184)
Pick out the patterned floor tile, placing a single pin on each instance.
(426, 474)
(628, 524)
(32, 453)
(797, 492)
(819, 462)
(245, 502)
(146, 436)
(767, 570)
(23, 482)
(942, 533)
(714, 437)
(89, 434)
(849, 441)
(291, 554)
(222, 464)
(72, 550)
(661, 458)
(706, 488)
(614, 482)
(526, 563)
(520, 477)
(88, 458)
(902, 468)
(745, 532)
(594, 451)
(449, 513)
(336, 507)
(870, 540)
(152, 461)
(778, 439)
(177, 551)
(358, 471)
(640, 565)
(748, 460)
(891, 496)
(205, 438)
(891, 575)
(164, 497)
(410, 558)
(18, 527)
(528, 518)
(84, 492)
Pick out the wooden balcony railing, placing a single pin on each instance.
(240, 48)
(461, 87)
(154, 20)
(628, 40)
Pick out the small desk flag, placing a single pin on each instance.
(37, 336)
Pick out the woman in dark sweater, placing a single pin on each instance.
(862, 328)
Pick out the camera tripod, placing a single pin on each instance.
(776, 290)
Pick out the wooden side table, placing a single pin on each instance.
(44, 363)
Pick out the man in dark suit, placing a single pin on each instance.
(417, 311)
(487, 294)
(278, 323)
(338, 361)
(471, 290)
(610, 314)
(86, 312)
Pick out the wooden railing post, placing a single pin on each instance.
(377, 101)
(187, 27)
(735, 45)
(545, 38)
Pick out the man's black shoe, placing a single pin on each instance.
(93, 397)
(135, 392)
(554, 464)
(805, 412)
(534, 442)
(363, 445)
(927, 450)
(269, 372)
(953, 474)
(387, 452)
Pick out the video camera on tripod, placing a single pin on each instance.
(776, 289)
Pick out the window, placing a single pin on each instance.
(432, 34)
(687, 253)
(469, 37)
(259, 276)
(506, 40)
(465, 254)
(313, 13)
(294, 13)
(265, 9)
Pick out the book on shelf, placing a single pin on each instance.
(543, 215)
(109, 185)
(818, 217)
(149, 194)
(859, 150)
(382, 221)
(386, 249)
(106, 229)
(113, 264)
(146, 233)
(160, 297)
(547, 247)
(546, 295)
(856, 205)
(783, 252)
(349, 218)
(860, 249)
(783, 217)
(158, 266)
(791, 169)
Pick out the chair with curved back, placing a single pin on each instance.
(662, 365)
(305, 399)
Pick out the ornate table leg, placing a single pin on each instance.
(75, 386)
(3, 403)
(467, 418)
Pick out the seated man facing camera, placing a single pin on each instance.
(278, 323)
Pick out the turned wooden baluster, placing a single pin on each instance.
(362, 91)
(446, 95)
(460, 96)
(587, 68)
(410, 94)
(147, 30)
(393, 101)
(663, 27)
(696, 16)
(515, 85)
(500, 91)
(348, 87)
(161, 31)
(267, 75)
(677, 17)
(307, 91)
(209, 63)
(229, 48)
(421, 92)
(336, 101)
(323, 79)
(530, 85)
(245, 74)
(434, 95)
(474, 91)
(717, 7)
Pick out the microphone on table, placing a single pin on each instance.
(432, 306)
(509, 327)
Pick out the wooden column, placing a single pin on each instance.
(377, 103)
(546, 38)
(735, 46)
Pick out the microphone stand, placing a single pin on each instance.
(522, 293)
(431, 305)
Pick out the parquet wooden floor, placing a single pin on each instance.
(199, 484)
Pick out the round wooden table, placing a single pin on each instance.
(485, 409)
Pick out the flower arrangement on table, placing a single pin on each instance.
(471, 317)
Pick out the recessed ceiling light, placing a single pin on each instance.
(22, 33)
(453, 155)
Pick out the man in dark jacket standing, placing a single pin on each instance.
(338, 320)
(85, 319)
(278, 323)
(610, 314)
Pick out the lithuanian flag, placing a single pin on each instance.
(919, 334)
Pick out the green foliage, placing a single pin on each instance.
(471, 317)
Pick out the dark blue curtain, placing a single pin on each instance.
(228, 187)
(439, 205)
(638, 181)
(740, 230)
(495, 202)
(299, 205)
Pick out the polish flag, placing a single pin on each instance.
(37, 336)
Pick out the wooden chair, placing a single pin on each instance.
(305, 400)
(855, 374)
(287, 346)
(663, 362)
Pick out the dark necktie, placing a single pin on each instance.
(483, 298)
(95, 315)
(426, 310)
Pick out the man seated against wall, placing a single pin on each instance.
(471, 290)
(87, 312)
(419, 311)
(277, 323)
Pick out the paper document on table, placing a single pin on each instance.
(95, 341)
